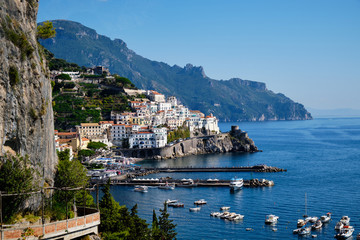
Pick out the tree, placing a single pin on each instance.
(63, 76)
(85, 153)
(16, 176)
(96, 145)
(69, 174)
(46, 30)
(116, 222)
(155, 231)
(166, 227)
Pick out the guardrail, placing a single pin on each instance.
(65, 229)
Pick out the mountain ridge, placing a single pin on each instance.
(230, 100)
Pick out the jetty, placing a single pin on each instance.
(256, 168)
(196, 183)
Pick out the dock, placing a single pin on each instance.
(197, 183)
(257, 168)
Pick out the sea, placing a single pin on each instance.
(322, 161)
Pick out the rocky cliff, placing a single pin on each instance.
(26, 115)
(234, 141)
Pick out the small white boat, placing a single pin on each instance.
(305, 231)
(176, 205)
(317, 225)
(237, 217)
(339, 226)
(271, 219)
(194, 209)
(167, 186)
(301, 223)
(224, 208)
(345, 232)
(345, 220)
(141, 189)
(224, 215)
(200, 202)
(326, 218)
(215, 214)
(171, 201)
(236, 184)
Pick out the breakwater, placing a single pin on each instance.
(257, 168)
(197, 183)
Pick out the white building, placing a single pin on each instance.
(155, 96)
(142, 140)
(164, 106)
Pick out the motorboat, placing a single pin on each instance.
(339, 225)
(224, 215)
(317, 225)
(345, 220)
(224, 208)
(167, 186)
(200, 202)
(270, 219)
(237, 217)
(236, 184)
(304, 230)
(194, 209)
(326, 218)
(141, 189)
(187, 183)
(215, 214)
(171, 201)
(345, 232)
(301, 223)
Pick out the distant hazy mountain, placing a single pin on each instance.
(230, 100)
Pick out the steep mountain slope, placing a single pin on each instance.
(231, 100)
(26, 115)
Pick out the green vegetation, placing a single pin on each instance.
(121, 82)
(14, 34)
(60, 64)
(181, 132)
(118, 223)
(13, 76)
(96, 145)
(63, 76)
(85, 153)
(16, 176)
(46, 30)
(69, 174)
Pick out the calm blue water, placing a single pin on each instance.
(322, 158)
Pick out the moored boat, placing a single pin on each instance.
(215, 214)
(194, 209)
(187, 183)
(177, 205)
(236, 184)
(200, 202)
(224, 208)
(301, 223)
(141, 189)
(167, 186)
(339, 226)
(271, 219)
(345, 220)
(326, 218)
(317, 225)
(345, 232)
(171, 201)
(305, 230)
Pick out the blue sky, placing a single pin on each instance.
(307, 49)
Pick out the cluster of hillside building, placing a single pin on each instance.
(146, 126)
